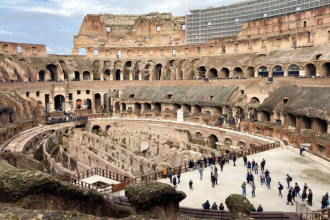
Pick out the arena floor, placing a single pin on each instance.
(279, 162)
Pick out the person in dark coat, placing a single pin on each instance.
(260, 209)
(268, 181)
(190, 184)
(310, 197)
(262, 165)
(174, 182)
(221, 207)
(222, 164)
(293, 195)
(297, 190)
(179, 176)
(249, 165)
(288, 180)
(213, 179)
(267, 173)
(206, 205)
(245, 160)
(234, 159)
(214, 206)
(280, 188)
(289, 197)
(304, 195)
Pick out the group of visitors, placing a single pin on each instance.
(294, 191)
(206, 205)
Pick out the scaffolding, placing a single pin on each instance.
(225, 21)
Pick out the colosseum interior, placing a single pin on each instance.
(134, 98)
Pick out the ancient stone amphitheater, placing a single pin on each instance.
(134, 98)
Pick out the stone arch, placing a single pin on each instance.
(108, 127)
(293, 70)
(228, 142)
(137, 107)
(147, 106)
(241, 145)
(41, 76)
(107, 74)
(225, 72)
(96, 129)
(59, 103)
(326, 69)
(53, 72)
(212, 141)
(79, 104)
(64, 69)
(86, 75)
(76, 76)
(238, 72)
(213, 73)
(263, 71)
(310, 69)
(278, 71)
(158, 72)
(254, 100)
(250, 71)
(118, 75)
(88, 103)
(199, 135)
(201, 72)
(98, 102)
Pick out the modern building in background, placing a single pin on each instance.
(205, 24)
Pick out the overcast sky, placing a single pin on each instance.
(55, 22)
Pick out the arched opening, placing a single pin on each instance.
(147, 107)
(322, 126)
(42, 77)
(326, 69)
(197, 109)
(64, 69)
(79, 104)
(98, 105)
(96, 75)
(59, 103)
(255, 100)
(306, 123)
(264, 116)
(199, 136)
(53, 72)
(176, 107)
(213, 73)
(225, 72)
(123, 107)
(158, 71)
(293, 70)
(108, 127)
(278, 71)
(107, 74)
(292, 121)
(263, 71)
(96, 129)
(76, 76)
(201, 72)
(238, 72)
(88, 103)
(186, 108)
(241, 145)
(228, 142)
(86, 75)
(128, 64)
(118, 73)
(310, 69)
(250, 71)
(157, 107)
(138, 107)
(212, 141)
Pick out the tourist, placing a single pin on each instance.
(249, 166)
(212, 179)
(200, 170)
(222, 164)
(297, 190)
(305, 187)
(310, 197)
(253, 186)
(253, 164)
(256, 168)
(262, 177)
(288, 180)
(267, 173)
(221, 207)
(215, 170)
(268, 181)
(206, 205)
(179, 175)
(234, 159)
(190, 184)
(302, 149)
(262, 165)
(214, 206)
(216, 177)
(280, 188)
(289, 197)
(245, 160)
(325, 201)
(170, 175)
(174, 182)
(304, 195)
(260, 209)
(249, 177)
(205, 161)
(293, 191)
(244, 188)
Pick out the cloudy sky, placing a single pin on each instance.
(54, 22)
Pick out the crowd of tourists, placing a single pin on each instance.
(294, 191)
